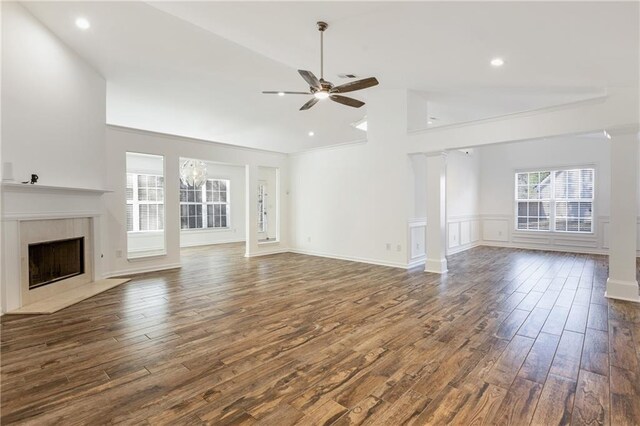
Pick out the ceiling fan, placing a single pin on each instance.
(322, 89)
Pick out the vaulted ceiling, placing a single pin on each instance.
(196, 69)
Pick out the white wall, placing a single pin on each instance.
(53, 112)
(236, 230)
(354, 201)
(500, 162)
(418, 203)
(463, 193)
(122, 140)
(53, 106)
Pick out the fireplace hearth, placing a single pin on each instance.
(52, 261)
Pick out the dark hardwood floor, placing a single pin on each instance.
(508, 337)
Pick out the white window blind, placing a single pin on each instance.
(145, 202)
(555, 200)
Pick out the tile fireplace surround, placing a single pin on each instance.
(37, 213)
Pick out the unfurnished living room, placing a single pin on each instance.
(320, 213)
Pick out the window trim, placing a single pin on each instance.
(552, 216)
(204, 204)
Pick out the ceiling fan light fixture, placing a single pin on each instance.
(321, 95)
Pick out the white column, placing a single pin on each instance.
(436, 213)
(251, 210)
(623, 232)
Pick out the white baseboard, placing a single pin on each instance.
(622, 290)
(268, 252)
(416, 262)
(358, 259)
(200, 244)
(462, 248)
(572, 249)
(141, 270)
(436, 266)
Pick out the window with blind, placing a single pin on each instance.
(145, 202)
(205, 207)
(555, 200)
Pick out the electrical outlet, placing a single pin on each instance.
(398, 247)
(388, 246)
(308, 239)
(118, 253)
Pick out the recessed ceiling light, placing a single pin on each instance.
(429, 122)
(311, 133)
(497, 62)
(280, 93)
(83, 23)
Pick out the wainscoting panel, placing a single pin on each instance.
(475, 231)
(496, 228)
(417, 240)
(453, 234)
(530, 238)
(463, 233)
(498, 231)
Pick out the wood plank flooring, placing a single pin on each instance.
(507, 337)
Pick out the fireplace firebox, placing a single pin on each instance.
(53, 261)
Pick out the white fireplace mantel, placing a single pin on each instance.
(34, 202)
(14, 186)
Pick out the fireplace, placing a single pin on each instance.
(52, 261)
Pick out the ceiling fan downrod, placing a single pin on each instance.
(321, 27)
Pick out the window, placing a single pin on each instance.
(262, 208)
(206, 206)
(555, 200)
(145, 202)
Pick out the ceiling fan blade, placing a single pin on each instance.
(309, 104)
(346, 101)
(355, 85)
(310, 78)
(272, 92)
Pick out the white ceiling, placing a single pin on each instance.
(197, 68)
